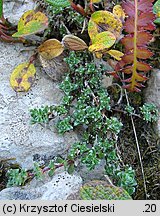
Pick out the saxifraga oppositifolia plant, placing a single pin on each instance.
(90, 115)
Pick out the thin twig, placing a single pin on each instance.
(138, 148)
(67, 30)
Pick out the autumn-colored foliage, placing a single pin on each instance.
(104, 29)
(138, 25)
(31, 22)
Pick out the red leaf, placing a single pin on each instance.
(127, 80)
(149, 27)
(145, 5)
(128, 70)
(142, 66)
(128, 58)
(119, 65)
(114, 74)
(129, 8)
(143, 53)
(140, 77)
(143, 39)
(129, 87)
(128, 42)
(145, 18)
(129, 25)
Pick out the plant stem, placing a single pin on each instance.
(138, 149)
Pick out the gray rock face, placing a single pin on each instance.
(14, 9)
(18, 138)
(152, 93)
(57, 188)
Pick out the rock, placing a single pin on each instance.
(13, 10)
(18, 138)
(59, 187)
(54, 68)
(97, 173)
(152, 92)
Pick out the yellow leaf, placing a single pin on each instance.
(31, 22)
(98, 55)
(115, 54)
(95, 1)
(74, 43)
(50, 49)
(102, 41)
(104, 21)
(22, 77)
(118, 12)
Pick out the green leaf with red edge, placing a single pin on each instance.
(133, 88)
(128, 69)
(30, 23)
(22, 77)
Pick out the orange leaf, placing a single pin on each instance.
(72, 42)
(50, 49)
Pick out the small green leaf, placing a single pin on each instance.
(1, 8)
(157, 21)
(71, 169)
(156, 8)
(58, 3)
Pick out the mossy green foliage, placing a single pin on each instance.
(100, 190)
(86, 106)
(16, 177)
(58, 3)
(1, 8)
(150, 112)
(41, 115)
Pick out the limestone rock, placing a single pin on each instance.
(13, 10)
(18, 138)
(57, 188)
(152, 92)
